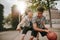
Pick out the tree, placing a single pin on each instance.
(1, 17)
(43, 3)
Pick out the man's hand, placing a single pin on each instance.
(18, 29)
(47, 31)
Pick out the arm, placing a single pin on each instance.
(36, 28)
(43, 23)
(43, 20)
(19, 25)
(46, 30)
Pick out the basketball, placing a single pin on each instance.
(52, 36)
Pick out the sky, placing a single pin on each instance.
(7, 6)
(8, 3)
(58, 5)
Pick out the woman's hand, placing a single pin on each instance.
(18, 29)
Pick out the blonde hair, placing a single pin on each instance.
(28, 10)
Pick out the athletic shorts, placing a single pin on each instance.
(26, 29)
(43, 33)
(33, 33)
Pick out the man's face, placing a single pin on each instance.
(39, 14)
(30, 14)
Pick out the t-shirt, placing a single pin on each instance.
(39, 21)
(28, 22)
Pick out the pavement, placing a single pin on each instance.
(53, 25)
(15, 35)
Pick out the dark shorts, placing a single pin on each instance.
(43, 33)
(26, 29)
(33, 33)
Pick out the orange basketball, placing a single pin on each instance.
(52, 36)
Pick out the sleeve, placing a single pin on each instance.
(34, 20)
(43, 20)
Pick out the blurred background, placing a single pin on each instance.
(12, 11)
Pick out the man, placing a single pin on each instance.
(27, 22)
(39, 23)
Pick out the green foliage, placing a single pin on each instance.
(36, 3)
(15, 22)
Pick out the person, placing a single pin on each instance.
(39, 23)
(27, 21)
(14, 16)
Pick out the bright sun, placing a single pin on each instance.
(21, 6)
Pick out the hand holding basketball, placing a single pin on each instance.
(52, 36)
(47, 31)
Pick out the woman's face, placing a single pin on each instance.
(30, 14)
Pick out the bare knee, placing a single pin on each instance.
(23, 37)
(37, 36)
(31, 38)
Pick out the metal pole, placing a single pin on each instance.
(49, 13)
(19, 17)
